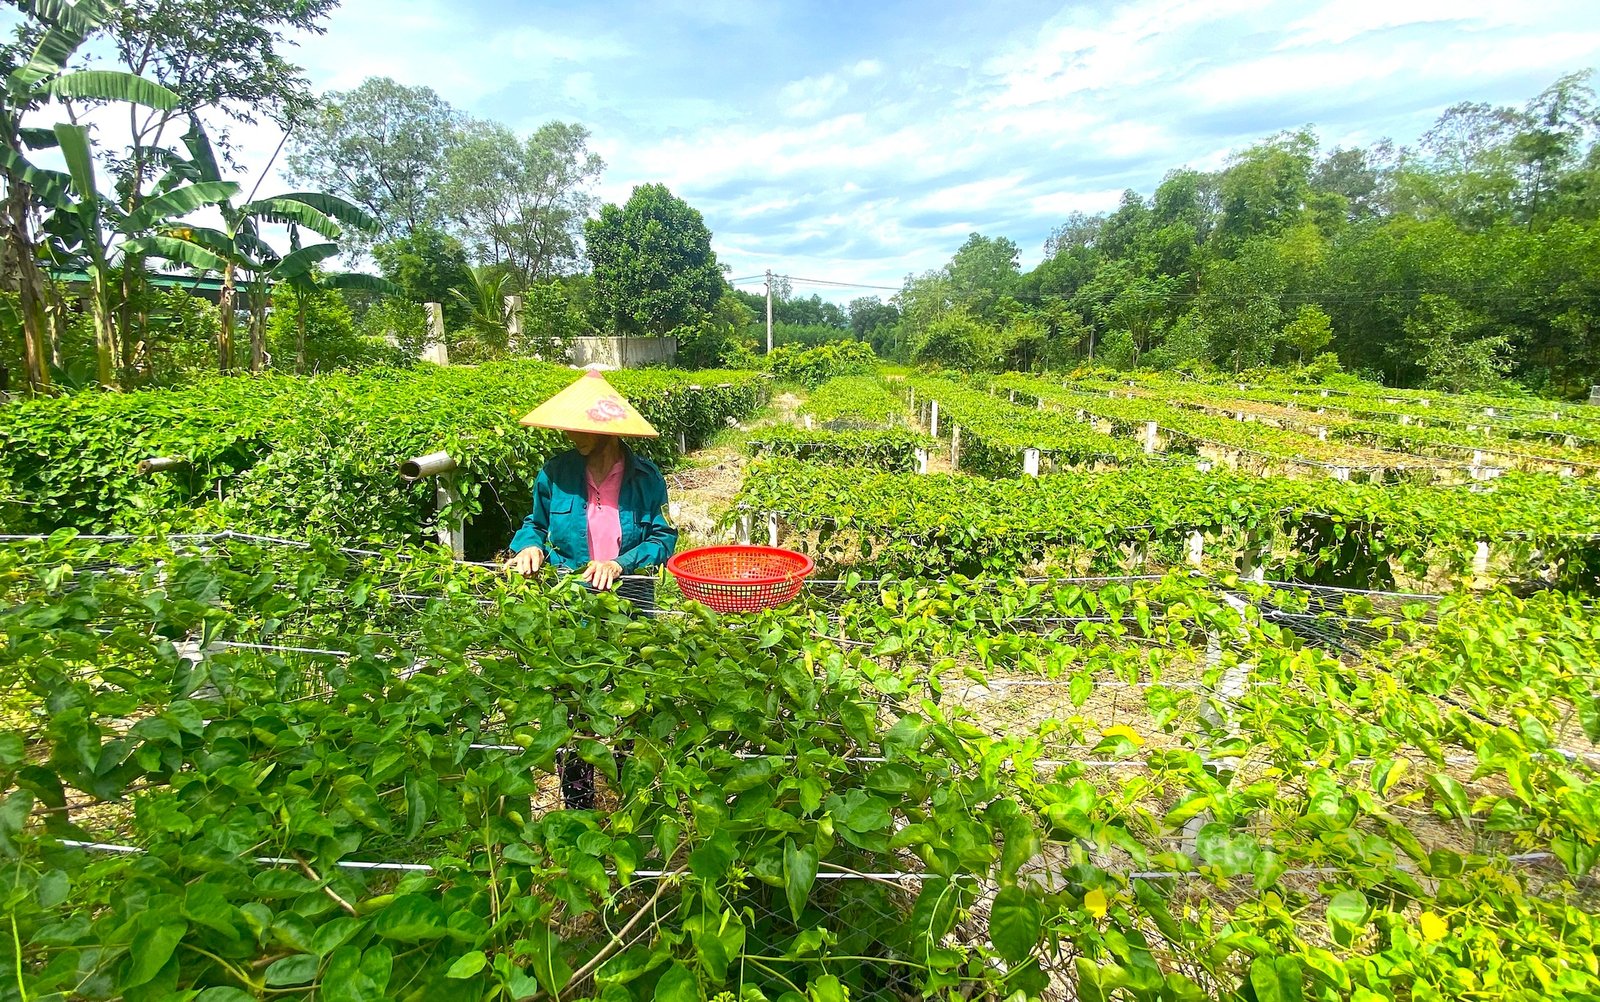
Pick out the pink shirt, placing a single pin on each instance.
(605, 519)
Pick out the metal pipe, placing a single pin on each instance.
(159, 464)
(433, 464)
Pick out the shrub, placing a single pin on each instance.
(815, 366)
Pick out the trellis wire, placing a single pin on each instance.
(1520, 859)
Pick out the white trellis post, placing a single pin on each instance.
(1480, 559)
(1252, 563)
(772, 528)
(1149, 438)
(808, 422)
(1030, 462)
(1195, 548)
(745, 526)
(158, 464)
(1322, 433)
(513, 307)
(922, 460)
(436, 350)
(1217, 710)
(955, 447)
(933, 421)
(452, 533)
(1341, 473)
(1203, 465)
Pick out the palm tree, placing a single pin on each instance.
(486, 304)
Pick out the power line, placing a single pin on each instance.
(843, 285)
(813, 281)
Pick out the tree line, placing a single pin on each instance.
(1466, 259)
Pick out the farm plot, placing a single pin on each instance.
(296, 455)
(849, 421)
(1516, 528)
(237, 766)
(1257, 447)
(992, 437)
(1451, 443)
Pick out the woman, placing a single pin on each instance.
(599, 510)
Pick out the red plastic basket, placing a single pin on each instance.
(740, 578)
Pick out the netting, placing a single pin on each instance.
(1178, 745)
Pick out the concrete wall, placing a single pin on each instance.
(623, 352)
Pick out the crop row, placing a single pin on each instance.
(892, 450)
(1575, 425)
(1321, 529)
(994, 433)
(853, 401)
(1216, 437)
(1449, 442)
(279, 453)
(1050, 816)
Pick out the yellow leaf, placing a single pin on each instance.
(1124, 731)
(1095, 903)
(1434, 928)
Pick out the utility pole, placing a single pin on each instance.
(769, 311)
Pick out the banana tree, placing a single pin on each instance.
(27, 87)
(105, 230)
(237, 249)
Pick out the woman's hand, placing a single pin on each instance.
(526, 561)
(602, 574)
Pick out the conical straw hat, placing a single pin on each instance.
(591, 404)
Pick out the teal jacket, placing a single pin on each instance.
(559, 523)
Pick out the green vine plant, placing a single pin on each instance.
(238, 770)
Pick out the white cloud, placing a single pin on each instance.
(852, 152)
(811, 96)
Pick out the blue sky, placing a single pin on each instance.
(863, 141)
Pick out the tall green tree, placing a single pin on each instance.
(383, 146)
(522, 202)
(982, 271)
(1264, 189)
(654, 269)
(427, 264)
